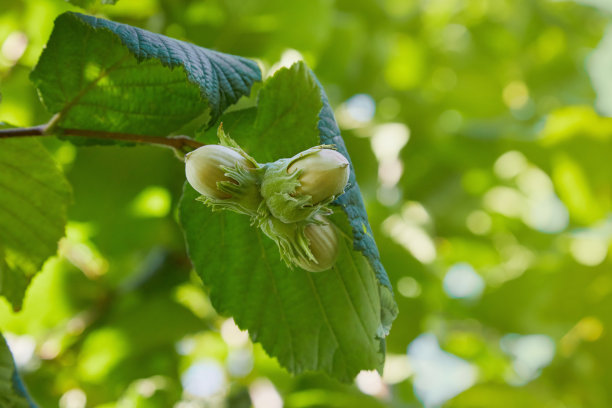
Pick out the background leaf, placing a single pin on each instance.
(329, 321)
(101, 75)
(33, 200)
(91, 4)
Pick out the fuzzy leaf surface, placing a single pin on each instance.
(101, 75)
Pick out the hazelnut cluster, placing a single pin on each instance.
(287, 198)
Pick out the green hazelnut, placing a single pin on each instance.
(324, 174)
(225, 178)
(323, 244)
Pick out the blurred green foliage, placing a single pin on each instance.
(478, 133)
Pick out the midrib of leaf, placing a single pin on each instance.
(325, 316)
(91, 85)
(326, 319)
(276, 294)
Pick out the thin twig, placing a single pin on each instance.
(176, 142)
(23, 132)
(180, 143)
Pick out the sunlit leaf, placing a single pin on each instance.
(33, 200)
(96, 74)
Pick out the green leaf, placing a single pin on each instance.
(287, 108)
(100, 75)
(309, 321)
(12, 391)
(351, 202)
(333, 321)
(33, 199)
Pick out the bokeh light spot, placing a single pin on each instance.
(463, 282)
(510, 164)
(153, 201)
(361, 107)
(408, 287)
(589, 251)
(438, 375)
(204, 379)
(406, 65)
(516, 95)
(530, 354)
(232, 334)
(264, 394)
(74, 398)
(14, 46)
(478, 222)
(370, 382)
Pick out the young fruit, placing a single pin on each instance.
(323, 244)
(312, 245)
(225, 178)
(324, 174)
(204, 168)
(295, 189)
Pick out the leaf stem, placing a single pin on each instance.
(180, 143)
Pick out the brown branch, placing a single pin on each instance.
(180, 143)
(176, 142)
(23, 132)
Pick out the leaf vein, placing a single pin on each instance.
(276, 293)
(325, 317)
(21, 197)
(60, 194)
